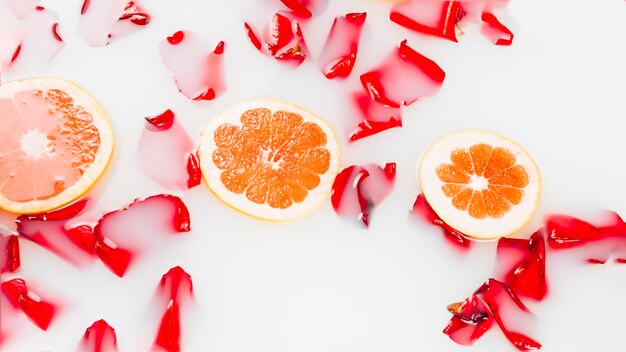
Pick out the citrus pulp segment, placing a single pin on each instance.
(480, 183)
(269, 159)
(56, 143)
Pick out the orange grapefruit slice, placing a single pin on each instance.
(480, 183)
(56, 143)
(269, 159)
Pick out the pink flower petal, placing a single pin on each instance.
(164, 153)
(105, 20)
(197, 71)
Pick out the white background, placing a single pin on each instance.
(322, 283)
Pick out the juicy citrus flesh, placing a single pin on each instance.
(269, 159)
(480, 183)
(50, 143)
(495, 168)
(274, 158)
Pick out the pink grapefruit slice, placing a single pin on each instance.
(56, 143)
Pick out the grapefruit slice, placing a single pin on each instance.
(480, 183)
(56, 143)
(269, 159)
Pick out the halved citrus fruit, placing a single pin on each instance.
(56, 143)
(480, 183)
(269, 159)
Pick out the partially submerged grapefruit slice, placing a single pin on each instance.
(56, 143)
(480, 183)
(269, 159)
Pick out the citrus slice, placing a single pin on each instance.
(480, 183)
(269, 159)
(56, 143)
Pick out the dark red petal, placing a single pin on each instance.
(373, 85)
(471, 319)
(83, 237)
(85, 6)
(55, 32)
(39, 312)
(493, 293)
(451, 13)
(176, 38)
(163, 121)
(99, 337)
(254, 36)
(62, 214)
(422, 209)
(525, 276)
(193, 169)
(116, 259)
(504, 35)
(208, 94)
(16, 53)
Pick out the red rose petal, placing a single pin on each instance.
(193, 169)
(83, 237)
(9, 253)
(495, 301)
(174, 285)
(471, 320)
(524, 263)
(115, 258)
(566, 232)
(105, 20)
(164, 153)
(373, 117)
(357, 190)
(298, 7)
(283, 38)
(99, 337)
(38, 311)
(496, 31)
(422, 209)
(403, 78)
(168, 335)
(254, 36)
(162, 121)
(438, 18)
(65, 213)
(198, 73)
(50, 232)
(142, 225)
(29, 35)
(341, 47)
